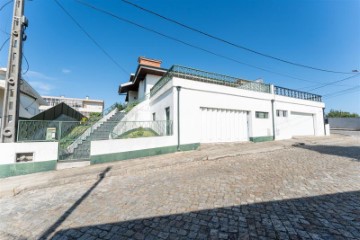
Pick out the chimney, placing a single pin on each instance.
(149, 62)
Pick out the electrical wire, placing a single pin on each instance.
(90, 37)
(5, 4)
(345, 91)
(3, 44)
(186, 43)
(231, 43)
(27, 64)
(337, 81)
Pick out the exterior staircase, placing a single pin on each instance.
(82, 150)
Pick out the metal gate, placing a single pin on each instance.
(73, 136)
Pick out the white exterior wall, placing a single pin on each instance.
(133, 95)
(194, 95)
(150, 82)
(43, 151)
(283, 126)
(132, 144)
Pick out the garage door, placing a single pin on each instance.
(223, 125)
(302, 124)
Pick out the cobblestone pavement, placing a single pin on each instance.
(307, 191)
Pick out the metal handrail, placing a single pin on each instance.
(296, 94)
(208, 77)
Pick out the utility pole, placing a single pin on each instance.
(10, 114)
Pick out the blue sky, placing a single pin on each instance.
(63, 61)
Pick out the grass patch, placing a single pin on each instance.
(73, 135)
(138, 132)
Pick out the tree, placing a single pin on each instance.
(341, 114)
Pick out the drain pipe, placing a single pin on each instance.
(272, 91)
(324, 120)
(273, 117)
(178, 88)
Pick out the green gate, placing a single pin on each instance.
(73, 136)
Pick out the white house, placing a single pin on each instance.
(85, 106)
(30, 100)
(207, 107)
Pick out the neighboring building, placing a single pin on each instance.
(30, 100)
(147, 74)
(207, 107)
(84, 106)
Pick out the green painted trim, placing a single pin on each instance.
(112, 157)
(262, 139)
(15, 169)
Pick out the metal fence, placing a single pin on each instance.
(208, 77)
(43, 130)
(142, 129)
(296, 94)
(74, 137)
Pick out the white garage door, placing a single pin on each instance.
(302, 124)
(223, 125)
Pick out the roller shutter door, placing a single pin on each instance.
(223, 125)
(302, 124)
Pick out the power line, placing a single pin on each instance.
(331, 83)
(186, 43)
(338, 93)
(228, 42)
(27, 64)
(2, 45)
(5, 4)
(90, 37)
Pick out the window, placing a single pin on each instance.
(168, 124)
(262, 114)
(154, 116)
(281, 113)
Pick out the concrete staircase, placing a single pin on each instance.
(82, 151)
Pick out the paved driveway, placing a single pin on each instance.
(307, 189)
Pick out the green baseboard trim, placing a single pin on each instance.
(112, 157)
(262, 139)
(15, 169)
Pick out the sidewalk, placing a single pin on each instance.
(207, 152)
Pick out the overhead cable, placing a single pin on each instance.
(91, 38)
(231, 43)
(186, 43)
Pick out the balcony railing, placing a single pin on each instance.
(208, 77)
(296, 94)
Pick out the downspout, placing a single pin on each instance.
(178, 88)
(324, 121)
(273, 117)
(272, 91)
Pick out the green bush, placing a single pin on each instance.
(139, 132)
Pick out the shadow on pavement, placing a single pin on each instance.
(334, 216)
(47, 233)
(352, 152)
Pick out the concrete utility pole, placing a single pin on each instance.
(10, 114)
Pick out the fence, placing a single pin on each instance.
(345, 123)
(296, 94)
(74, 137)
(43, 130)
(208, 77)
(142, 129)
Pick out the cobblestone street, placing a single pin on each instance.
(307, 189)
